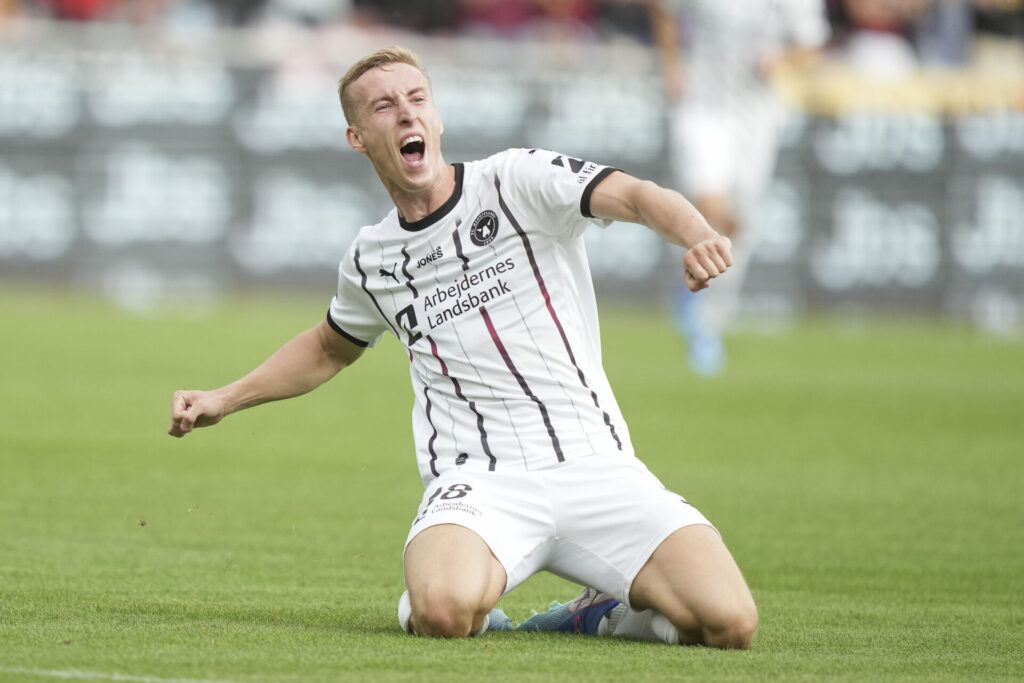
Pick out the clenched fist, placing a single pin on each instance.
(191, 409)
(706, 260)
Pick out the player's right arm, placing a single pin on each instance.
(624, 198)
(301, 365)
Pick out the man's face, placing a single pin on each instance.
(397, 126)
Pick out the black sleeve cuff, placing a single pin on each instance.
(343, 333)
(589, 190)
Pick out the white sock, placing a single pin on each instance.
(646, 625)
(404, 612)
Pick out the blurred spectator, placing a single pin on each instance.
(10, 9)
(79, 10)
(234, 12)
(998, 46)
(624, 18)
(877, 42)
(422, 16)
(1004, 18)
(505, 18)
(553, 20)
(942, 35)
(308, 13)
(891, 38)
(158, 12)
(566, 20)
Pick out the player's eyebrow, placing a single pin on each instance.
(377, 100)
(418, 90)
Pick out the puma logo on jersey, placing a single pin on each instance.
(390, 274)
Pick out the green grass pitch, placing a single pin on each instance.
(869, 479)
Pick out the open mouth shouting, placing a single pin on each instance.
(413, 150)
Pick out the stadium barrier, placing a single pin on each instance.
(165, 168)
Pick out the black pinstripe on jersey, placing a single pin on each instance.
(551, 309)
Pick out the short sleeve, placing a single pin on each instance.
(554, 188)
(352, 313)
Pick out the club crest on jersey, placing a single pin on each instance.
(485, 227)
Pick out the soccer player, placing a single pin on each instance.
(481, 273)
(718, 58)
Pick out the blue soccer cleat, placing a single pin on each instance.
(497, 620)
(582, 615)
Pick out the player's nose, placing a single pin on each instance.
(405, 112)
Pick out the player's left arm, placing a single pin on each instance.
(622, 197)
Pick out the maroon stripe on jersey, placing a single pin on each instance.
(472, 406)
(433, 437)
(458, 246)
(522, 382)
(366, 289)
(408, 278)
(551, 310)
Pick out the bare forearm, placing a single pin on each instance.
(624, 198)
(298, 367)
(669, 214)
(301, 365)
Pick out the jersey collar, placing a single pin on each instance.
(441, 211)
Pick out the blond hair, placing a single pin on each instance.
(388, 55)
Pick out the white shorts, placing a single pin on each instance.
(595, 521)
(728, 151)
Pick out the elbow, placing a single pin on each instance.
(662, 210)
(648, 193)
(644, 201)
(337, 352)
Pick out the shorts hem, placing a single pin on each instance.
(480, 532)
(649, 552)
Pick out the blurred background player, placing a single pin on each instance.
(718, 58)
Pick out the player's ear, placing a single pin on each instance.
(355, 141)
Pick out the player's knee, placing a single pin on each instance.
(733, 629)
(442, 618)
(441, 624)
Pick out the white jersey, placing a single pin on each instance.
(492, 297)
(726, 42)
(725, 131)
